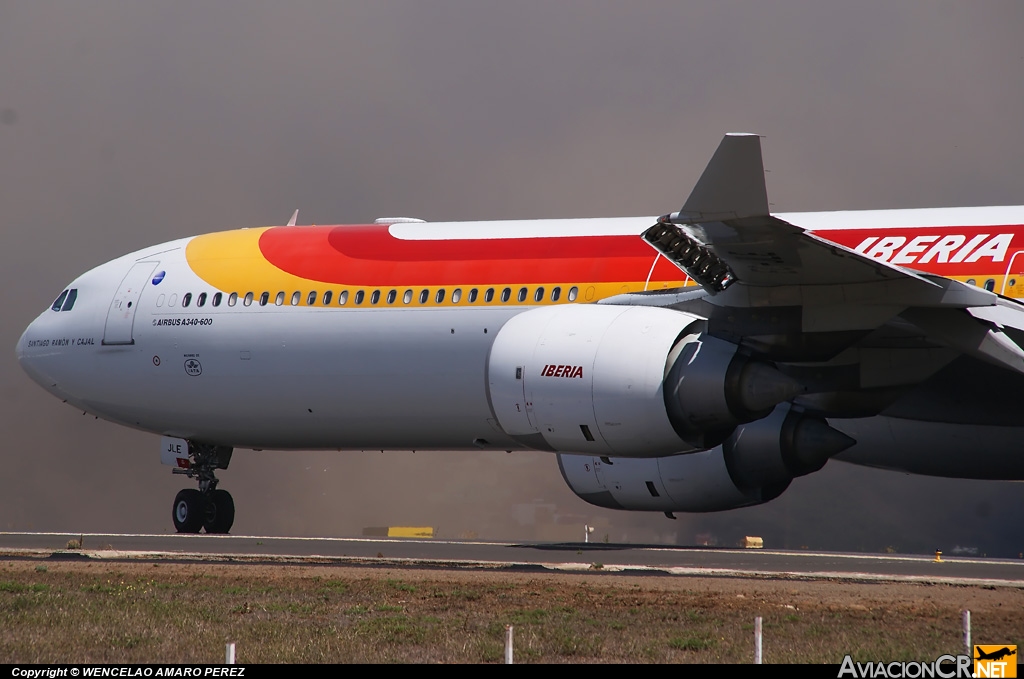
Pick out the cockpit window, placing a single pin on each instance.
(69, 303)
(59, 302)
(66, 300)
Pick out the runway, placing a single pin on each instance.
(570, 557)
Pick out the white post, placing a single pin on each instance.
(757, 640)
(586, 533)
(508, 644)
(229, 654)
(967, 634)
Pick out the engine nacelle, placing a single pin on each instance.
(754, 465)
(624, 381)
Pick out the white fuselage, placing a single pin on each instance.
(382, 376)
(273, 376)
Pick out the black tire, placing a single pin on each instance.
(220, 512)
(189, 511)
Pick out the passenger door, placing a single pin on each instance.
(121, 315)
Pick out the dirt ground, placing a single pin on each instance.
(120, 611)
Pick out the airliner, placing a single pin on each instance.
(691, 362)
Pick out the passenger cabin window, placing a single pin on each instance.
(424, 296)
(456, 295)
(392, 296)
(311, 298)
(172, 300)
(472, 296)
(247, 300)
(359, 297)
(522, 294)
(160, 300)
(573, 293)
(201, 300)
(489, 295)
(506, 294)
(343, 298)
(187, 299)
(264, 298)
(217, 297)
(59, 302)
(556, 292)
(990, 284)
(279, 300)
(233, 299)
(327, 297)
(439, 297)
(296, 298)
(407, 297)
(375, 297)
(538, 296)
(971, 281)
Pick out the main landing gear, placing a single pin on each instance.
(209, 507)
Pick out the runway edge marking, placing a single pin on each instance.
(472, 564)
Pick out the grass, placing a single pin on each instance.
(126, 613)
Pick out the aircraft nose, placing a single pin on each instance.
(41, 353)
(26, 357)
(20, 349)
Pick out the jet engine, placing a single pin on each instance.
(752, 466)
(624, 381)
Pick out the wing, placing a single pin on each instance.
(786, 293)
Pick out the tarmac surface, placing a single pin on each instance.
(571, 557)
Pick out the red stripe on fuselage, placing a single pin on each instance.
(371, 256)
(991, 247)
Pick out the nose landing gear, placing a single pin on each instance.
(208, 508)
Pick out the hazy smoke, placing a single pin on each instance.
(123, 125)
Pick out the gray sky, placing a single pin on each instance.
(124, 124)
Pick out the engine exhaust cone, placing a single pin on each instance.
(813, 443)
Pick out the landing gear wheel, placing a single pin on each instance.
(207, 507)
(220, 512)
(189, 510)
